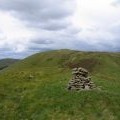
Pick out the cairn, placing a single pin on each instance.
(80, 80)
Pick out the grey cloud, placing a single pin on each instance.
(68, 39)
(38, 49)
(38, 10)
(40, 44)
(108, 47)
(49, 20)
(55, 25)
(40, 41)
(83, 45)
(52, 25)
(115, 29)
(73, 31)
(102, 45)
(7, 53)
(116, 3)
(11, 54)
(49, 15)
(5, 49)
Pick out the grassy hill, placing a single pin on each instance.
(35, 88)
(4, 63)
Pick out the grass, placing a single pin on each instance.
(4, 63)
(44, 97)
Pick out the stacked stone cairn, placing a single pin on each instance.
(80, 80)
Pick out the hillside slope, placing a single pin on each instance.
(4, 63)
(35, 88)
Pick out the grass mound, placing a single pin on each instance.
(44, 96)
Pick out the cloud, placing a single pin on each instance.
(55, 25)
(41, 41)
(38, 11)
(116, 3)
(29, 26)
(11, 54)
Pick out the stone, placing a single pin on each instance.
(30, 76)
(80, 80)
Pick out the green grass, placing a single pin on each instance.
(44, 97)
(4, 63)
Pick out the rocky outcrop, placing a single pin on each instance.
(80, 80)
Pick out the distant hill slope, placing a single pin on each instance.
(4, 63)
(35, 88)
(69, 59)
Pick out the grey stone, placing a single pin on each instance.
(80, 80)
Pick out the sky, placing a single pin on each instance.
(30, 26)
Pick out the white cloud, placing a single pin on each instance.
(15, 35)
(29, 26)
(96, 17)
